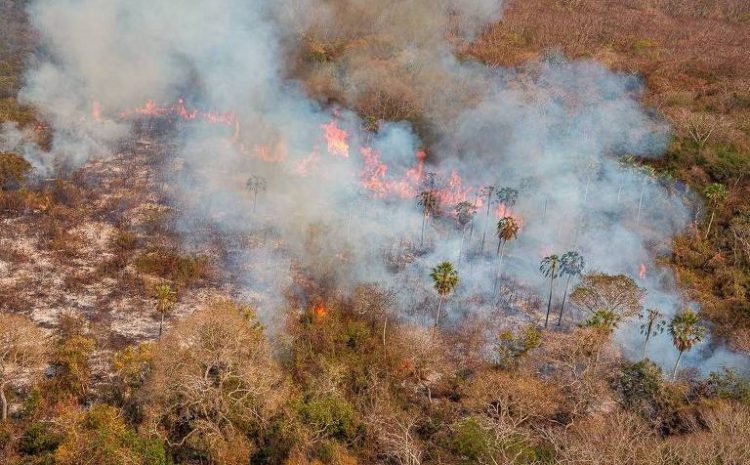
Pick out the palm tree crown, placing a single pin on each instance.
(445, 278)
(507, 228)
(685, 330)
(507, 196)
(465, 212)
(550, 266)
(572, 263)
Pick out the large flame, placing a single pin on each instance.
(375, 175)
(337, 139)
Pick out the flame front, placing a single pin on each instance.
(337, 139)
(320, 311)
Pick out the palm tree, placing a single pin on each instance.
(686, 332)
(508, 197)
(256, 184)
(465, 212)
(445, 280)
(487, 191)
(429, 202)
(652, 327)
(715, 193)
(507, 229)
(550, 268)
(166, 298)
(571, 265)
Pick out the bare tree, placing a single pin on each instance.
(213, 383)
(608, 298)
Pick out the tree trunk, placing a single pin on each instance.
(437, 316)
(161, 325)
(385, 325)
(424, 222)
(461, 247)
(565, 295)
(549, 302)
(645, 343)
(3, 403)
(544, 213)
(486, 220)
(677, 364)
(255, 200)
(640, 205)
(710, 222)
(499, 268)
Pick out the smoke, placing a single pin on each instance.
(342, 209)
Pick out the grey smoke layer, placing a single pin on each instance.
(556, 131)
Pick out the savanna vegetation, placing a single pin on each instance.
(348, 379)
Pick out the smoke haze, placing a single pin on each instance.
(556, 131)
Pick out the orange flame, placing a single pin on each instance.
(336, 138)
(96, 111)
(642, 271)
(320, 311)
(502, 212)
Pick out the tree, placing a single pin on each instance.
(23, 348)
(571, 265)
(685, 332)
(256, 184)
(487, 192)
(608, 298)
(652, 327)
(214, 384)
(715, 193)
(507, 229)
(430, 204)
(465, 212)
(166, 298)
(507, 196)
(550, 268)
(445, 280)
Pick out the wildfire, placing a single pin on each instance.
(642, 271)
(375, 176)
(336, 138)
(320, 311)
(180, 110)
(96, 111)
(502, 211)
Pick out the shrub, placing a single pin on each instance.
(13, 169)
(168, 264)
(331, 414)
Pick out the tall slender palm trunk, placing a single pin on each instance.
(461, 247)
(549, 301)
(499, 267)
(161, 325)
(440, 307)
(486, 221)
(640, 205)
(424, 222)
(710, 222)
(676, 365)
(565, 295)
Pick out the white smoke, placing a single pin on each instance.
(553, 130)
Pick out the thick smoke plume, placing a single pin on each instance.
(336, 192)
